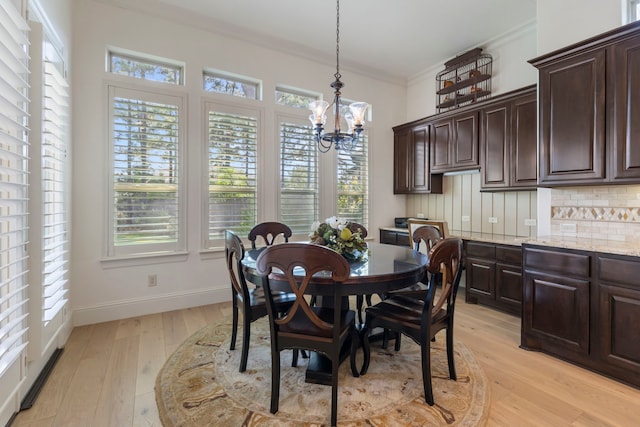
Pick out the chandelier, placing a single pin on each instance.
(354, 117)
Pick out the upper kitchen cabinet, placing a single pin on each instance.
(588, 94)
(411, 161)
(508, 141)
(454, 142)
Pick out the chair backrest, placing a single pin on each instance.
(425, 237)
(296, 263)
(354, 226)
(269, 231)
(414, 223)
(234, 253)
(445, 267)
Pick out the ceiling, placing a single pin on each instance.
(394, 39)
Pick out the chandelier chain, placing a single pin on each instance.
(337, 75)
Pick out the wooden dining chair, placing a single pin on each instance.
(321, 329)
(424, 238)
(421, 319)
(250, 301)
(270, 232)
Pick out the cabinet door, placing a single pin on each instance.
(495, 128)
(625, 81)
(524, 142)
(509, 287)
(465, 141)
(619, 315)
(421, 178)
(619, 340)
(401, 165)
(480, 279)
(572, 120)
(441, 137)
(556, 314)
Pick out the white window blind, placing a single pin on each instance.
(146, 214)
(232, 160)
(299, 206)
(55, 243)
(353, 182)
(14, 107)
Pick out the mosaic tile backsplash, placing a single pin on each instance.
(607, 212)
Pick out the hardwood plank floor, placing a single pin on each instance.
(106, 374)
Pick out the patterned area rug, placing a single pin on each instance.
(200, 385)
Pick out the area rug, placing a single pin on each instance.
(200, 385)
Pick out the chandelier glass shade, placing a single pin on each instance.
(354, 114)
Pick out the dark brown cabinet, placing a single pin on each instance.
(411, 161)
(587, 101)
(583, 307)
(393, 237)
(454, 142)
(494, 275)
(508, 142)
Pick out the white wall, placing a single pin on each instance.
(510, 70)
(103, 291)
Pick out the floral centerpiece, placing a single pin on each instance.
(335, 233)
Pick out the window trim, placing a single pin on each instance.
(147, 250)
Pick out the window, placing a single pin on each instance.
(353, 182)
(232, 158)
(299, 189)
(294, 98)
(146, 172)
(235, 86)
(14, 107)
(145, 69)
(634, 10)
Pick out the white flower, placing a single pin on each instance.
(314, 228)
(333, 222)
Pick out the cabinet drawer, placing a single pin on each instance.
(509, 255)
(388, 237)
(481, 250)
(402, 239)
(564, 263)
(618, 271)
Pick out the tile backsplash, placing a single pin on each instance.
(603, 212)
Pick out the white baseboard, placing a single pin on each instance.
(142, 306)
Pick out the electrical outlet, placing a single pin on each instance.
(465, 218)
(152, 280)
(493, 219)
(568, 228)
(530, 222)
(420, 215)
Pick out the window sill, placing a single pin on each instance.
(140, 259)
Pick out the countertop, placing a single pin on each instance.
(577, 243)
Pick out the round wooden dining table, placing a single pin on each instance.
(385, 268)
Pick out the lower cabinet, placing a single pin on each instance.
(392, 237)
(494, 275)
(583, 307)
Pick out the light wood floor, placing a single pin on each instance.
(106, 374)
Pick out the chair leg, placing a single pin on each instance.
(234, 324)
(426, 371)
(366, 349)
(245, 344)
(335, 365)
(396, 347)
(294, 359)
(359, 304)
(450, 354)
(355, 344)
(275, 379)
